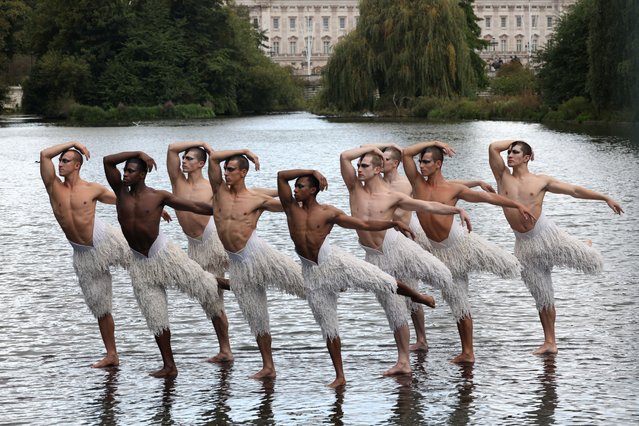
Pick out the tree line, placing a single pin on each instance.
(114, 53)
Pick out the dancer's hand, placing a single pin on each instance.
(401, 227)
(465, 219)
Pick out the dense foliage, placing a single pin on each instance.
(594, 56)
(109, 53)
(400, 50)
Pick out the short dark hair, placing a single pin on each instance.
(395, 154)
(313, 182)
(376, 160)
(77, 154)
(242, 161)
(437, 153)
(137, 160)
(198, 153)
(525, 148)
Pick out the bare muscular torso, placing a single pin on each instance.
(436, 226)
(372, 205)
(236, 215)
(401, 184)
(139, 216)
(529, 190)
(193, 224)
(309, 227)
(74, 209)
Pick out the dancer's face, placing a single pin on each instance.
(427, 166)
(302, 191)
(232, 172)
(516, 156)
(366, 170)
(133, 173)
(190, 162)
(389, 163)
(68, 164)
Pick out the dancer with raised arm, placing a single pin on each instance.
(461, 251)
(96, 244)
(327, 269)
(540, 244)
(254, 265)
(157, 263)
(402, 258)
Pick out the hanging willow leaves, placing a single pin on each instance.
(408, 48)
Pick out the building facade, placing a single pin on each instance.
(302, 33)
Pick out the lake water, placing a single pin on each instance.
(48, 338)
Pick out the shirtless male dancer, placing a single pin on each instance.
(461, 251)
(541, 245)
(96, 245)
(157, 263)
(205, 246)
(400, 257)
(328, 270)
(400, 183)
(254, 265)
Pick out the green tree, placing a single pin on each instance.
(564, 62)
(408, 48)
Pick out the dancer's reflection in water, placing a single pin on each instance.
(409, 408)
(465, 408)
(218, 399)
(108, 403)
(338, 412)
(545, 413)
(165, 406)
(265, 410)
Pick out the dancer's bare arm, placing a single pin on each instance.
(349, 174)
(179, 203)
(495, 199)
(557, 187)
(433, 207)
(474, 183)
(497, 164)
(350, 222)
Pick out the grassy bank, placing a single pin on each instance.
(124, 115)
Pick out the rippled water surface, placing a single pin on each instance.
(48, 338)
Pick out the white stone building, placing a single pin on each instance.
(302, 33)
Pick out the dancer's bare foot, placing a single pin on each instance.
(221, 358)
(165, 372)
(463, 358)
(418, 347)
(424, 299)
(264, 373)
(398, 369)
(337, 383)
(546, 349)
(107, 361)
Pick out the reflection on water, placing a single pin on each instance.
(544, 414)
(48, 337)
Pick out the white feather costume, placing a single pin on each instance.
(168, 266)
(337, 271)
(91, 265)
(464, 252)
(255, 268)
(546, 246)
(209, 253)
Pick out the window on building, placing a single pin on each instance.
(342, 22)
(502, 21)
(549, 21)
(309, 23)
(533, 21)
(292, 47)
(502, 44)
(325, 22)
(487, 21)
(327, 47)
(276, 48)
(518, 45)
(276, 23)
(292, 22)
(518, 21)
(534, 44)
